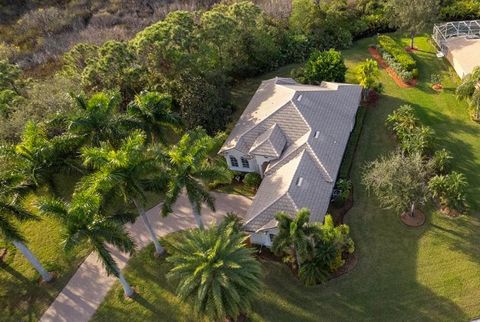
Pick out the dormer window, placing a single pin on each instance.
(317, 134)
(299, 181)
(234, 161)
(245, 163)
(299, 98)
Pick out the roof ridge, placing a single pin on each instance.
(319, 163)
(293, 201)
(267, 138)
(300, 113)
(265, 208)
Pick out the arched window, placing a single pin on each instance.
(233, 161)
(245, 163)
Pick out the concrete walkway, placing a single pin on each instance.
(86, 290)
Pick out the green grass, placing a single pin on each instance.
(429, 273)
(22, 298)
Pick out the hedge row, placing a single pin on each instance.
(390, 46)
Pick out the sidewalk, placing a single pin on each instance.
(86, 290)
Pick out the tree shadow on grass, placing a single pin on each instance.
(18, 291)
(385, 284)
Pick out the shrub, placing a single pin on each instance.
(344, 188)
(435, 78)
(449, 190)
(461, 10)
(323, 66)
(252, 180)
(397, 58)
(413, 138)
(441, 160)
(367, 74)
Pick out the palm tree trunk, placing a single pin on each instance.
(153, 237)
(197, 216)
(126, 287)
(297, 257)
(46, 276)
(412, 209)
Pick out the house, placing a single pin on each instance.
(459, 42)
(294, 136)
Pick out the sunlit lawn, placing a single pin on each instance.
(429, 273)
(22, 298)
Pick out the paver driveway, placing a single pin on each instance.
(86, 290)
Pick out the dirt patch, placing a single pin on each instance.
(437, 87)
(450, 212)
(382, 63)
(410, 49)
(416, 220)
(3, 254)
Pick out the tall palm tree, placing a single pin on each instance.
(191, 167)
(39, 157)
(98, 119)
(294, 235)
(215, 271)
(470, 90)
(86, 222)
(128, 172)
(152, 112)
(12, 187)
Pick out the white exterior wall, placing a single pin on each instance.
(263, 238)
(254, 167)
(260, 160)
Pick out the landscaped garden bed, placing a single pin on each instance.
(398, 63)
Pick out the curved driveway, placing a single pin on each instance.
(86, 290)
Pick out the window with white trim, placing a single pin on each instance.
(245, 163)
(233, 161)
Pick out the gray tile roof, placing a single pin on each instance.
(312, 125)
(270, 143)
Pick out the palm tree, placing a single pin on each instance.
(128, 171)
(98, 118)
(12, 187)
(215, 271)
(39, 157)
(191, 167)
(86, 222)
(294, 235)
(152, 112)
(470, 90)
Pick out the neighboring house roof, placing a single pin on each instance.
(270, 143)
(306, 128)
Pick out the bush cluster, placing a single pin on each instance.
(449, 188)
(322, 66)
(397, 58)
(461, 10)
(413, 136)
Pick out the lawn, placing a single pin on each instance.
(22, 298)
(429, 273)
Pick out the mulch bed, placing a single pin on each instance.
(351, 261)
(416, 220)
(338, 213)
(378, 57)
